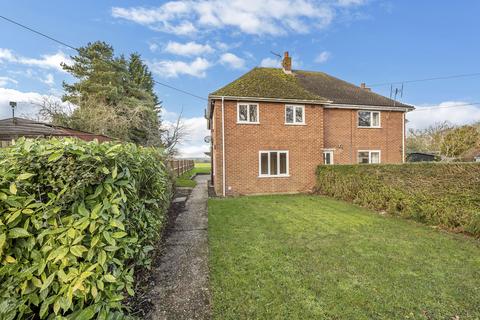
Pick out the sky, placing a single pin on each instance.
(200, 46)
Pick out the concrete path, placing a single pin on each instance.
(181, 290)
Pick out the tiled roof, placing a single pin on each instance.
(302, 85)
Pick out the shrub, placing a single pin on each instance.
(442, 194)
(75, 219)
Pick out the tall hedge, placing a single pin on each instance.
(441, 194)
(75, 219)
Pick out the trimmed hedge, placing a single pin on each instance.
(76, 218)
(441, 194)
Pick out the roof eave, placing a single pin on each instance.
(405, 108)
(240, 98)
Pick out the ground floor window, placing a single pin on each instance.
(273, 163)
(369, 156)
(328, 157)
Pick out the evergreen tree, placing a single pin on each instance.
(116, 88)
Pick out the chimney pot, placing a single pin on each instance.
(287, 63)
(364, 86)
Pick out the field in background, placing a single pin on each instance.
(311, 257)
(185, 179)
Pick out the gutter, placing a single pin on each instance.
(223, 146)
(368, 107)
(306, 101)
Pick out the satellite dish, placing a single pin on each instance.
(207, 139)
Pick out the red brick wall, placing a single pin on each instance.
(324, 128)
(343, 135)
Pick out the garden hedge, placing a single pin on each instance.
(442, 194)
(76, 218)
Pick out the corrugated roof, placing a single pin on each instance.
(19, 127)
(302, 85)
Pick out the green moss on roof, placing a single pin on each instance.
(302, 85)
(267, 83)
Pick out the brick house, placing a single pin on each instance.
(272, 127)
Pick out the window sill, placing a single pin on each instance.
(359, 127)
(248, 122)
(295, 124)
(277, 176)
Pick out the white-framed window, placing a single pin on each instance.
(247, 113)
(273, 164)
(368, 119)
(369, 156)
(294, 114)
(328, 157)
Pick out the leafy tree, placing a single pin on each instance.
(460, 140)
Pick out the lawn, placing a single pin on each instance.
(185, 181)
(311, 257)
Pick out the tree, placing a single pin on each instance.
(114, 96)
(429, 139)
(172, 134)
(460, 140)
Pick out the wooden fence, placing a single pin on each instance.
(180, 166)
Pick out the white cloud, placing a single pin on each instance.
(232, 61)
(49, 80)
(173, 68)
(193, 146)
(188, 49)
(27, 102)
(5, 80)
(455, 112)
(47, 61)
(270, 63)
(322, 57)
(272, 17)
(348, 3)
(153, 47)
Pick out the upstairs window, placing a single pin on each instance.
(247, 113)
(369, 156)
(273, 164)
(294, 114)
(369, 119)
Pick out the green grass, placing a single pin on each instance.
(185, 181)
(311, 257)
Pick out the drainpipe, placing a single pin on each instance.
(223, 145)
(403, 138)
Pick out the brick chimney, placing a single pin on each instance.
(287, 63)
(364, 86)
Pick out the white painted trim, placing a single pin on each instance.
(331, 157)
(403, 138)
(223, 148)
(295, 106)
(357, 106)
(306, 101)
(370, 155)
(260, 175)
(248, 104)
(371, 119)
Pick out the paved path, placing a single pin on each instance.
(182, 290)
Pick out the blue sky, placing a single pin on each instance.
(200, 46)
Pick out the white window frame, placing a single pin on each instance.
(331, 157)
(371, 119)
(261, 175)
(370, 156)
(295, 123)
(248, 104)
